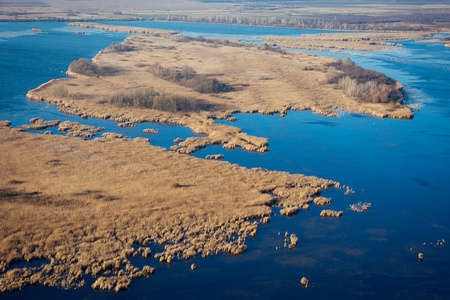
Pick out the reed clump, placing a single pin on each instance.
(114, 48)
(59, 220)
(61, 91)
(187, 77)
(148, 98)
(273, 48)
(85, 67)
(367, 85)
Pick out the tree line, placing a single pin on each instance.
(367, 85)
(189, 78)
(148, 98)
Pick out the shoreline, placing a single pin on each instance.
(125, 29)
(358, 41)
(92, 21)
(137, 18)
(297, 83)
(98, 197)
(123, 195)
(111, 197)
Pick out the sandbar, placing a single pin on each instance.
(358, 41)
(125, 29)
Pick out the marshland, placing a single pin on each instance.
(114, 212)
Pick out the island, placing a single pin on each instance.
(337, 42)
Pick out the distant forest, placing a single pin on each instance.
(402, 15)
(422, 21)
(407, 19)
(328, 2)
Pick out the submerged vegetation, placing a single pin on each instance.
(189, 78)
(85, 67)
(367, 85)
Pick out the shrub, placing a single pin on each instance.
(165, 103)
(97, 196)
(267, 47)
(370, 91)
(367, 85)
(187, 72)
(118, 48)
(159, 71)
(349, 68)
(205, 85)
(143, 98)
(85, 67)
(187, 39)
(189, 78)
(61, 91)
(217, 42)
(147, 98)
(348, 62)
(332, 74)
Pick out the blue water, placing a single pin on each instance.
(401, 167)
(29, 59)
(218, 31)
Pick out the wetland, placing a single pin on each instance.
(108, 203)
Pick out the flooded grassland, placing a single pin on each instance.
(87, 207)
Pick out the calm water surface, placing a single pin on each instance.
(401, 167)
(29, 59)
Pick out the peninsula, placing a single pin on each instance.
(261, 79)
(87, 207)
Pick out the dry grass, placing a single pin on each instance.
(88, 206)
(61, 91)
(146, 98)
(297, 82)
(85, 67)
(360, 41)
(347, 15)
(189, 78)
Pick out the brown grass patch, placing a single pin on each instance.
(65, 211)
